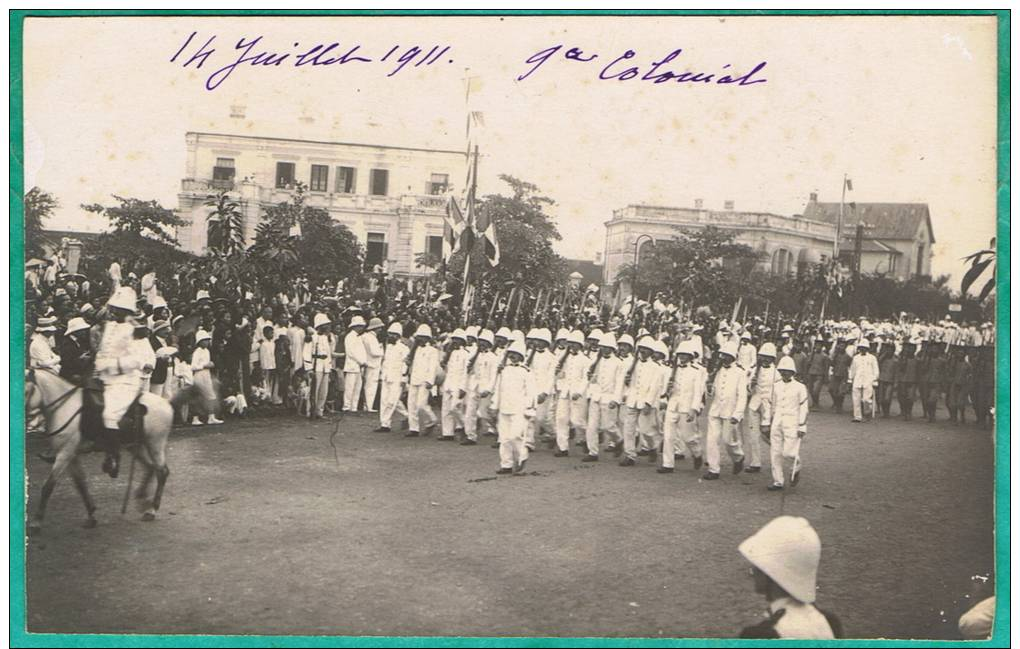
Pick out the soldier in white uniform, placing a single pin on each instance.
(454, 387)
(571, 392)
(118, 369)
(641, 393)
(394, 377)
(605, 390)
(320, 354)
(729, 398)
(863, 378)
(759, 405)
(542, 364)
(355, 360)
(513, 402)
(373, 361)
(481, 372)
(685, 395)
(787, 424)
(424, 368)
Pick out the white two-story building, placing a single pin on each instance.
(391, 198)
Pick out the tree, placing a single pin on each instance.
(525, 234)
(146, 219)
(39, 206)
(226, 236)
(980, 261)
(704, 267)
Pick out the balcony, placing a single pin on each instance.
(206, 185)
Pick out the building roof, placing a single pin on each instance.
(591, 272)
(305, 141)
(54, 236)
(885, 220)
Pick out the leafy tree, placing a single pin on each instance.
(39, 206)
(226, 236)
(427, 260)
(980, 261)
(140, 218)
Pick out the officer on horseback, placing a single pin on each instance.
(118, 369)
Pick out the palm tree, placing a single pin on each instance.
(227, 234)
(980, 261)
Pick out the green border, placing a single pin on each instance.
(20, 638)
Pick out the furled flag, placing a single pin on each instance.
(849, 185)
(453, 227)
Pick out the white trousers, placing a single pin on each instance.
(389, 402)
(417, 407)
(321, 391)
(785, 447)
(475, 408)
(648, 430)
(118, 393)
(721, 431)
(452, 413)
(863, 395)
(750, 431)
(677, 434)
(352, 390)
(512, 429)
(543, 421)
(629, 423)
(601, 419)
(371, 387)
(569, 413)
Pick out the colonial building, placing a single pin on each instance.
(787, 243)
(391, 198)
(896, 238)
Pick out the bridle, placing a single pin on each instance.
(47, 409)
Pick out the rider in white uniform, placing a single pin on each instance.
(119, 370)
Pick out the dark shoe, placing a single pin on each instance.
(520, 467)
(738, 466)
(429, 430)
(469, 442)
(708, 475)
(775, 487)
(590, 458)
(445, 438)
(627, 462)
(504, 472)
(698, 461)
(382, 429)
(411, 433)
(561, 453)
(580, 442)
(664, 469)
(652, 455)
(643, 452)
(753, 469)
(494, 445)
(111, 465)
(679, 457)
(617, 450)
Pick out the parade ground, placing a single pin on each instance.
(263, 531)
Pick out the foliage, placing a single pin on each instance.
(980, 261)
(704, 267)
(147, 219)
(39, 206)
(226, 231)
(427, 260)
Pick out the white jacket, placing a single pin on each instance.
(373, 350)
(688, 390)
(863, 370)
(456, 371)
(729, 393)
(606, 383)
(41, 355)
(645, 385)
(354, 353)
(425, 366)
(543, 372)
(515, 391)
(790, 403)
(482, 377)
(573, 379)
(394, 362)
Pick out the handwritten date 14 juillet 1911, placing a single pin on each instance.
(250, 52)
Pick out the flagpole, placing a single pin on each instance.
(839, 223)
(470, 226)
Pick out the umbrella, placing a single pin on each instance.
(36, 263)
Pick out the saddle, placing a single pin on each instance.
(92, 412)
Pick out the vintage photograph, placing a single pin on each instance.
(509, 326)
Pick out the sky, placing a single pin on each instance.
(905, 106)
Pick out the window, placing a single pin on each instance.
(284, 174)
(319, 181)
(434, 247)
(345, 180)
(379, 181)
(224, 169)
(375, 250)
(920, 259)
(439, 184)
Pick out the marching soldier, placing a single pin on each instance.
(373, 361)
(355, 360)
(542, 364)
(685, 395)
(320, 349)
(786, 424)
(641, 391)
(906, 379)
(454, 386)
(759, 405)
(571, 393)
(605, 385)
(513, 403)
(481, 371)
(394, 377)
(423, 360)
(818, 372)
(840, 371)
(729, 392)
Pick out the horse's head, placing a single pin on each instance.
(33, 397)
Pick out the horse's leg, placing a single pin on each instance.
(64, 457)
(157, 452)
(142, 455)
(80, 482)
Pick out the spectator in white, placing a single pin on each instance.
(354, 363)
(296, 334)
(142, 348)
(40, 350)
(454, 386)
(320, 354)
(787, 424)
(201, 372)
(267, 364)
(373, 361)
(394, 377)
(785, 555)
(115, 277)
(148, 286)
(863, 378)
(513, 401)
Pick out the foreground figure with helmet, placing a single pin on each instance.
(784, 556)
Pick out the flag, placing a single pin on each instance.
(453, 228)
(849, 185)
(486, 229)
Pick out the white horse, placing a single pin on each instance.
(61, 405)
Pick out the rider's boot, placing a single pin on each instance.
(111, 442)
